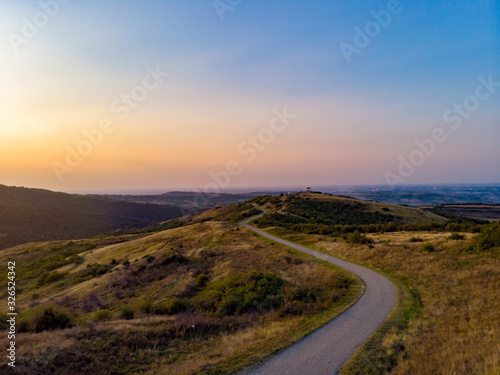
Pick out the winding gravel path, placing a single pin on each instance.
(326, 350)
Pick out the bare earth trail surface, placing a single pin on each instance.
(326, 350)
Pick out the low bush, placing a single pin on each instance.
(52, 319)
(358, 238)
(487, 240)
(126, 312)
(92, 270)
(174, 259)
(428, 247)
(201, 280)
(336, 212)
(45, 318)
(145, 305)
(103, 315)
(243, 292)
(98, 269)
(76, 259)
(456, 236)
(171, 306)
(48, 278)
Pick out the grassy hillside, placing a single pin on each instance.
(457, 283)
(206, 297)
(28, 215)
(317, 213)
(453, 278)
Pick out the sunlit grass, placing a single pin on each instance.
(176, 323)
(458, 330)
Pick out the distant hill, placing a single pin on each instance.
(190, 201)
(28, 215)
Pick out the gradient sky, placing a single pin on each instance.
(353, 120)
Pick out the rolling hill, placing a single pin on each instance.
(326, 214)
(29, 215)
(206, 297)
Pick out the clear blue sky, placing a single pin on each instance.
(354, 120)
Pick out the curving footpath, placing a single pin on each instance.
(326, 350)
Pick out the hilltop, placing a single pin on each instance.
(314, 212)
(446, 272)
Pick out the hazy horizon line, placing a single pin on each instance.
(256, 189)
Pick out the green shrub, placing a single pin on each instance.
(201, 280)
(358, 238)
(98, 269)
(456, 236)
(174, 259)
(428, 247)
(48, 278)
(331, 213)
(103, 315)
(488, 239)
(76, 259)
(416, 239)
(82, 278)
(45, 318)
(171, 306)
(126, 312)
(91, 271)
(145, 305)
(243, 292)
(23, 325)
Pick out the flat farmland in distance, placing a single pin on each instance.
(490, 212)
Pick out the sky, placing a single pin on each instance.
(115, 95)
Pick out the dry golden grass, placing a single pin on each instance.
(157, 344)
(458, 331)
(255, 342)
